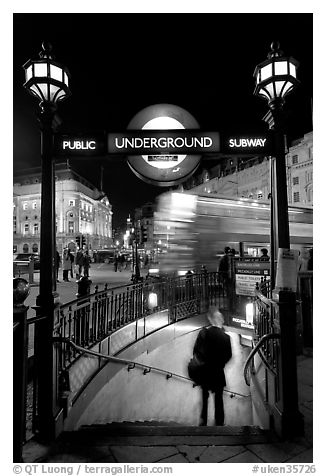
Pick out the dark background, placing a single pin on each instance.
(121, 63)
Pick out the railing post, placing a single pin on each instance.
(20, 342)
(204, 277)
(291, 419)
(31, 271)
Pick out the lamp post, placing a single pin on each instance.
(136, 270)
(275, 78)
(48, 81)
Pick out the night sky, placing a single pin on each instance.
(121, 63)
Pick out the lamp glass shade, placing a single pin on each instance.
(56, 72)
(29, 73)
(278, 87)
(281, 68)
(47, 80)
(293, 70)
(40, 70)
(275, 78)
(265, 73)
(264, 93)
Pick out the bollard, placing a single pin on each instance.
(84, 286)
(31, 270)
(82, 322)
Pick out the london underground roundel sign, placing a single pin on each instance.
(159, 168)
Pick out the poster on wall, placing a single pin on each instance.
(287, 270)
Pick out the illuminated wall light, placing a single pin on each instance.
(250, 313)
(152, 300)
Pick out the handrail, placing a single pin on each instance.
(271, 335)
(132, 364)
(32, 320)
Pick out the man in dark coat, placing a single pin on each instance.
(224, 263)
(79, 263)
(213, 347)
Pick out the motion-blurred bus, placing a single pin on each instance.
(193, 230)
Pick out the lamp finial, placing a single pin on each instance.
(46, 50)
(275, 50)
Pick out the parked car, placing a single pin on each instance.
(28, 257)
(105, 256)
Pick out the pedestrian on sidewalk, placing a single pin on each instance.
(57, 264)
(213, 350)
(66, 265)
(86, 263)
(115, 262)
(72, 259)
(224, 263)
(79, 263)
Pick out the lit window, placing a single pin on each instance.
(294, 159)
(295, 180)
(71, 227)
(25, 206)
(35, 228)
(296, 197)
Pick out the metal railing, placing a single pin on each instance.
(87, 321)
(305, 294)
(275, 323)
(271, 365)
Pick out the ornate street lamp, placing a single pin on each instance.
(275, 79)
(48, 81)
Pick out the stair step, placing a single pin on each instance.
(166, 433)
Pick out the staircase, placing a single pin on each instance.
(160, 442)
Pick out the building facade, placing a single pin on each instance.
(250, 178)
(83, 214)
(299, 162)
(144, 226)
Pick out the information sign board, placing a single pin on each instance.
(247, 274)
